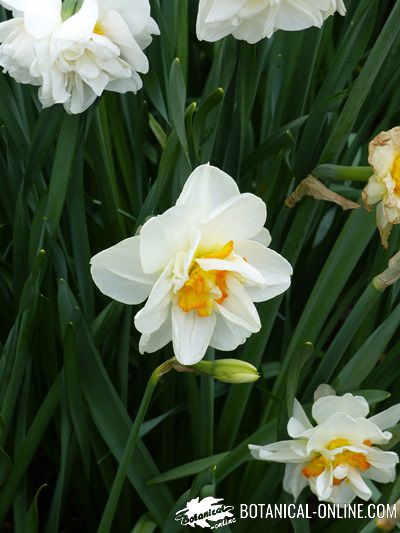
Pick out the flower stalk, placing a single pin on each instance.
(226, 370)
(112, 502)
(342, 173)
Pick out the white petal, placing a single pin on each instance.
(118, 273)
(359, 486)
(380, 459)
(240, 218)
(354, 406)
(228, 336)
(384, 225)
(341, 471)
(122, 86)
(294, 481)
(152, 342)
(155, 312)
(323, 484)
(191, 335)
(136, 14)
(274, 268)
(209, 187)
(343, 426)
(238, 307)
(388, 418)
(162, 237)
(234, 264)
(381, 475)
(81, 25)
(383, 151)
(374, 191)
(43, 17)
(264, 237)
(342, 494)
(115, 28)
(319, 442)
(82, 97)
(299, 422)
(373, 433)
(297, 15)
(280, 452)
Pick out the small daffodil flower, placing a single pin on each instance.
(384, 185)
(253, 20)
(335, 457)
(200, 265)
(74, 60)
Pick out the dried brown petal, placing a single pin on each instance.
(390, 275)
(312, 187)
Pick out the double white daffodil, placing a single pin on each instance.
(336, 456)
(384, 185)
(201, 265)
(74, 60)
(252, 20)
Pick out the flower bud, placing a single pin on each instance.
(389, 522)
(323, 390)
(228, 370)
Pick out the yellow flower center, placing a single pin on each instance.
(317, 466)
(395, 172)
(337, 443)
(98, 29)
(205, 287)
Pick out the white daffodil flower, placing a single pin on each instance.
(74, 60)
(384, 185)
(335, 457)
(201, 265)
(253, 20)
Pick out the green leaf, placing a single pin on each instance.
(32, 518)
(202, 115)
(373, 396)
(110, 417)
(188, 469)
(75, 396)
(299, 360)
(11, 117)
(343, 338)
(363, 362)
(62, 169)
(165, 169)
(177, 104)
(271, 145)
(361, 88)
(29, 447)
(153, 89)
(145, 525)
(5, 466)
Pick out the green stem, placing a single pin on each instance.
(109, 511)
(335, 172)
(207, 411)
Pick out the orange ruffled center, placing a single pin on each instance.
(318, 465)
(395, 172)
(205, 287)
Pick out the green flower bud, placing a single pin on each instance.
(228, 370)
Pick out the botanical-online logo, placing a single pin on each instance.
(200, 513)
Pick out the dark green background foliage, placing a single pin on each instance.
(71, 377)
